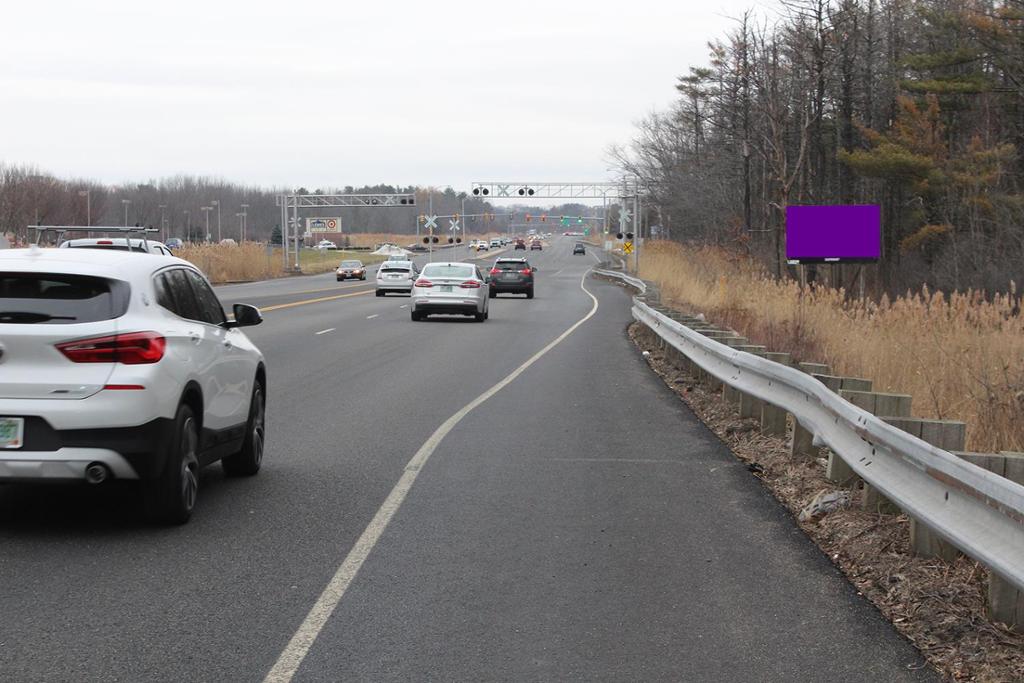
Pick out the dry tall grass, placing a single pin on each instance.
(960, 356)
(252, 261)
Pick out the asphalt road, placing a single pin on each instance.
(580, 524)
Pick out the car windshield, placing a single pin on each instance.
(351, 264)
(511, 265)
(453, 270)
(27, 298)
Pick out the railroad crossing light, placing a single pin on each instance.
(426, 240)
(619, 235)
(433, 239)
(458, 240)
(451, 241)
(481, 191)
(525, 191)
(373, 200)
(629, 236)
(407, 202)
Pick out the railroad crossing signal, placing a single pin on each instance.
(430, 222)
(627, 247)
(453, 224)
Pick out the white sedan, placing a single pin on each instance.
(450, 289)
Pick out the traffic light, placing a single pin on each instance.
(423, 219)
(528, 218)
(579, 219)
(456, 218)
(565, 221)
(543, 218)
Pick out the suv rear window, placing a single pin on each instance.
(395, 269)
(60, 299)
(511, 265)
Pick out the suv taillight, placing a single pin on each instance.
(525, 271)
(470, 284)
(134, 348)
(495, 271)
(423, 283)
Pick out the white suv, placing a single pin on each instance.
(116, 366)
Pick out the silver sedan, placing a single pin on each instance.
(450, 289)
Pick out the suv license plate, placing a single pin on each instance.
(446, 288)
(12, 431)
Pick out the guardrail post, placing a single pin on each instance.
(773, 418)
(717, 334)
(748, 405)
(883, 405)
(1005, 601)
(837, 471)
(729, 394)
(948, 435)
(802, 443)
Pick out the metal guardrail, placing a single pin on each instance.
(979, 512)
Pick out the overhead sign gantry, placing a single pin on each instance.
(291, 203)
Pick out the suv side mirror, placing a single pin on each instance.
(245, 316)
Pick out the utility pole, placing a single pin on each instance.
(88, 205)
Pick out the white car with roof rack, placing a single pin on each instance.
(114, 366)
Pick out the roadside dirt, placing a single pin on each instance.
(938, 606)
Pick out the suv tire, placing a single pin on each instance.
(247, 461)
(171, 497)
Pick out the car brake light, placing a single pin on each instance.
(470, 284)
(525, 271)
(495, 271)
(423, 283)
(103, 242)
(134, 348)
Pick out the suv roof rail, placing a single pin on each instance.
(89, 229)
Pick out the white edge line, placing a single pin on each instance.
(371, 317)
(329, 329)
(298, 647)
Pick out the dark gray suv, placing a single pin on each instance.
(513, 276)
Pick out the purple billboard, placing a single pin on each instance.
(833, 233)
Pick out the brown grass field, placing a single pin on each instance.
(252, 261)
(960, 355)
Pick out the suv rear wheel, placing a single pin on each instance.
(247, 461)
(171, 497)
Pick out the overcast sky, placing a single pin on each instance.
(341, 92)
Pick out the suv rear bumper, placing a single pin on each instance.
(129, 452)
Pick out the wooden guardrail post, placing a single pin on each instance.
(802, 443)
(773, 418)
(883, 405)
(837, 471)
(1005, 601)
(948, 435)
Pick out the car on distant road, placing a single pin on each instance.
(520, 244)
(482, 246)
(535, 245)
(117, 367)
(351, 269)
(135, 244)
(174, 243)
(450, 289)
(511, 276)
(496, 244)
(578, 248)
(326, 244)
(396, 276)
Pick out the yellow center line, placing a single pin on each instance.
(313, 301)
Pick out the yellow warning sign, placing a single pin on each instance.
(627, 247)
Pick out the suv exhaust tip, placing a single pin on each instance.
(96, 473)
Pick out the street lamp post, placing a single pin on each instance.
(207, 210)
(126, 202)
(241, 223)
(88, 205)
(216, 202)
(163, 223)
(188, 225)
(245, 215)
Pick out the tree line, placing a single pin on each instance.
(914, 105)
